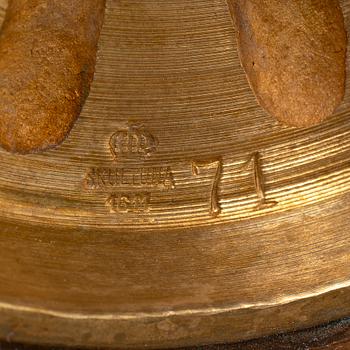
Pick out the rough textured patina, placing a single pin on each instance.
(47, 60)
(293, 52)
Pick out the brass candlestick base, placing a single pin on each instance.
(177, 212)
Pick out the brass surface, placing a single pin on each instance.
(177, 212)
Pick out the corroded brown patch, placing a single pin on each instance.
(294, 54)
(47, 60)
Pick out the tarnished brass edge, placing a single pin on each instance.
(188, 311)
(195, 329)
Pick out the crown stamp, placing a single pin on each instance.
(135, 141)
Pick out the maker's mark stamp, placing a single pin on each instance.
(128, 189)
(123, 177)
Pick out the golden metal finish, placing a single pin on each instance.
(177, 212)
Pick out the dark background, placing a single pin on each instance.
(333, 336)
